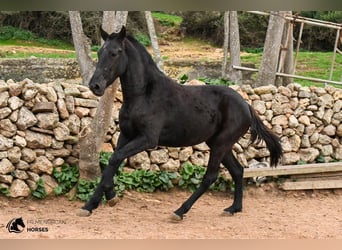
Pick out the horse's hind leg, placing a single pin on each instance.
(236, 171)
(209, 178)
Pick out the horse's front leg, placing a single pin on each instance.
(106, 186)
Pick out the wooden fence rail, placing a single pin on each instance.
(293, 170)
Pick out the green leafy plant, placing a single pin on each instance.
(183, 78)
(40, 191)
(85, 189)
(142, 38)
(320, 159)
(191, 176)
(4, 190)
(66, 177)
(218, 81)
(9, 33)
(301, 162)
(144, 180)
(104, 159)
(167, 19)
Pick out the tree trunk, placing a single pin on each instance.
(92, 141)
(288, 64)
(270, 57)
(154, 40)
(234, 48)
(82, 47)
(225, 43)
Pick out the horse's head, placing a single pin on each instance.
(112, 61)
(20, 222)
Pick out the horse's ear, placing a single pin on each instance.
(104, 34)
(122, 33)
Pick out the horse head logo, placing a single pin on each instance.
(13, 225)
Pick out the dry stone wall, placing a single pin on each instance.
(40, 125)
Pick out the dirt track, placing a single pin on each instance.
(268, 214)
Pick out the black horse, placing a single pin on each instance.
(158, 111)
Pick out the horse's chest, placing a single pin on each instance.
(126, 126)
(129, 123)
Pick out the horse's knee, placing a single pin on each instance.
(209, 179)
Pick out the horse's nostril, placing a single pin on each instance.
(95, 87)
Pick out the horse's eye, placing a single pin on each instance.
(114, 54)
(119, 50)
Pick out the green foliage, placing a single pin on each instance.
(183, 78)
(320, 159)
(166, 19)
(142, 38)
(140, 180)
(95, 48)
(66, 178)
(218, 81)
(9, 33)
(144, 180)
(85, 189)
(4, 190)
(253, 50)
(12, 33)
(301, 162)
(222, 185)
(191, 176)
(104, 159)
(40, 192)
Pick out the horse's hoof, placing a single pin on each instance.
(227, 213)
(112, 202)
(83, 213)
(175, 218)
(231, 211)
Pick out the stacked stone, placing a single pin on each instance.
(39, 127)
(170, 159)
(307, 120)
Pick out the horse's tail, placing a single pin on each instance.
(260, 132)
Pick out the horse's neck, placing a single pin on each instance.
(134, 80)
(132, 85)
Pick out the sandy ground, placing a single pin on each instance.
(268, 213)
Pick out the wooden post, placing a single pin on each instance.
(297, 48)
(334, 55)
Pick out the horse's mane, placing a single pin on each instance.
(145, 56)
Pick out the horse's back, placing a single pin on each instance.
(198, 112)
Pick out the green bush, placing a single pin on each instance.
(4, 190)
(191, 178)
(12, 33)
(140, 180)
(142, 38)
(85, 189)
(166, 19)
(66, 177)
(216, 81)
(40, 192)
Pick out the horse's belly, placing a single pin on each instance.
(182, 136)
